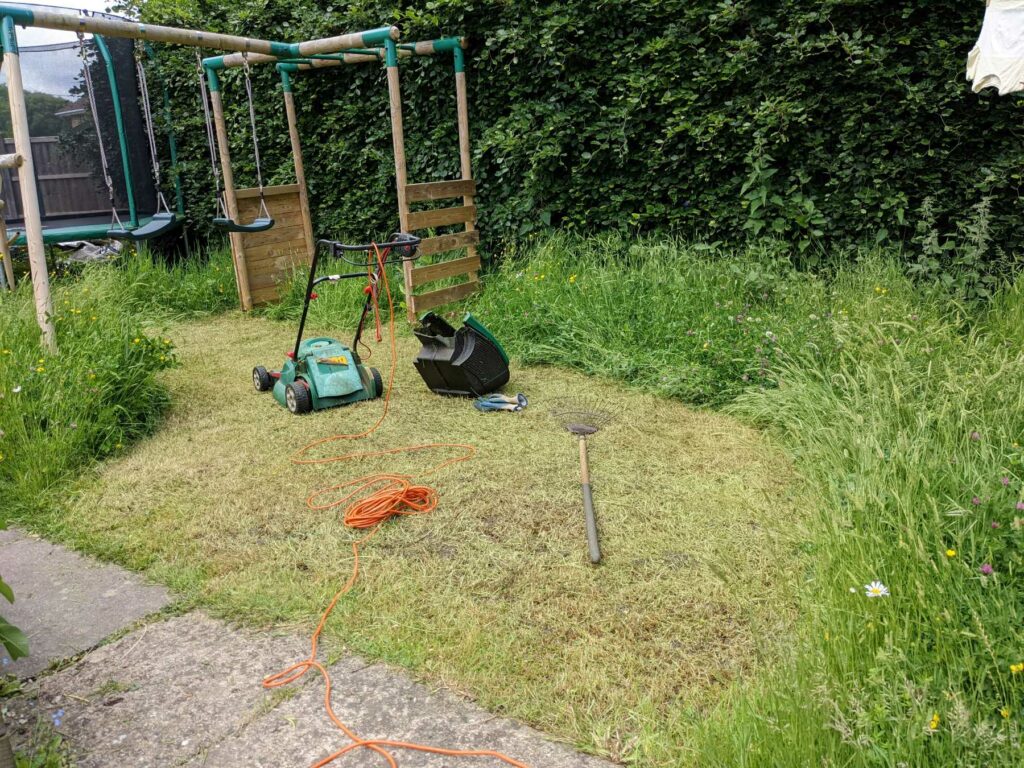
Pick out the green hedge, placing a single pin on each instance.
(825, 122)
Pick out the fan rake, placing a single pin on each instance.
(583, 420)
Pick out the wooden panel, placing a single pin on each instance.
(442, 217)
(282, 190)
(262, 296)
(278, 207)
(272, 256)
(270, 280)
(444, 269)
(284, 220)
(278, 268)
(426, 301)
(442, 243)
(440, 190)
(281, 257)
(274, 236)
(294, 244)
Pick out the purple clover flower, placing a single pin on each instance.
(986, 569)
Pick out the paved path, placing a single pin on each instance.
(186, 691)
(66, 603)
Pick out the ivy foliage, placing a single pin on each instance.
(824, 122)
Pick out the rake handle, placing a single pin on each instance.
(588, 504)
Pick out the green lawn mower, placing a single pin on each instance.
(322, 372)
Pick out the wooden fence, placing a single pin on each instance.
(67, 187)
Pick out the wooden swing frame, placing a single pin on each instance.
(57, 19)
(463, 188)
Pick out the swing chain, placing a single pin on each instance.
(90, 91)
(255, 140)
(147, 118)
(211, 138)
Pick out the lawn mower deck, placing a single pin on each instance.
(323, 372)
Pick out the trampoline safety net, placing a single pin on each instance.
(65, 147)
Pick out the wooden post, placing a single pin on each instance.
(27, 177)
(398, 141)
(8, 265)
(230, 198)
(8, 162)
(462, 106)
(300, 171)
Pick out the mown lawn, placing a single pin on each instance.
(492, 594)
(731, 624)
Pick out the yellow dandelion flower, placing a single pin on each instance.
(136, 340)
(934, 724)
(950, 553)
(1016, 669)
(1005, 712)
(572, 278)
(40, 369)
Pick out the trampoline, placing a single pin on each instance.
(75, 89)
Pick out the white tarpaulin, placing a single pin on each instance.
(997, 60)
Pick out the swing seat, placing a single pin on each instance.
(159, 224)
(261, 224)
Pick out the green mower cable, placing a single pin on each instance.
(371, 501)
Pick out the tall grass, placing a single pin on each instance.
(202, 285)
(682, 321)
(98, 391)
(905, 412)
(912, 436)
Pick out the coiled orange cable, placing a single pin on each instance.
(371, 501)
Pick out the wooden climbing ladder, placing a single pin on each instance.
(416, 221)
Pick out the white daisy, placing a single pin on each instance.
(876, 589)
(16, 390)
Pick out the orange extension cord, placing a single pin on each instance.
(371, 501)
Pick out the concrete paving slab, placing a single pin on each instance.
(66, 603)
(186, 692)
(159, 695)
(380, 702)
(10, 535)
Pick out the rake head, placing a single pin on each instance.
(580, 418)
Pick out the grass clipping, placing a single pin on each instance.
(492, 594)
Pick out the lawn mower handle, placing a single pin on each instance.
(406, 245)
